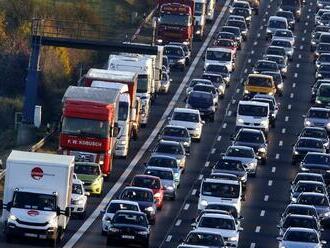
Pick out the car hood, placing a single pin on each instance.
(177, 156)
(244, 161)
(174, 138)
(237, 173)
(308, 149)
(294, 244)
(173, 57)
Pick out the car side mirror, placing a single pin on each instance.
(258, 157)
(193, 225)
(240, 229)
(323, 242)
(171, 80)
(87, 194)
(240, 217)
(278, 226)
(304, 116)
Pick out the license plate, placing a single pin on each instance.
(127, 237)
(32, 235)
(43, 236)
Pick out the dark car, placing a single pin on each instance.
(265, 65)
(252, 138)
(323, 71)
(278, 80)
(281, 62)
(236, 31)
(144, 197)
(325, 19)
(178, 134)
(129, 227)
(316, 132)
(305, 145)
(227, 36)
(186, 50)
(293, 6)
(231, 166)
(241, 25)
(300, 209)
(316, 86)
(289, 16)
(307, 186)
(176, 56)
(315, 162)
(276, 50)
(219, 69)
(306, 176)
(242, 12)
(321, 48)
(216, 79)
(316, 39)
(297, 220)
(203, 101)
(207, 239)
(324, 58)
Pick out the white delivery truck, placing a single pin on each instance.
(144, 67)
(37, 195)
(124, 120)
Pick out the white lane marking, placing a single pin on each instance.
(291, 95)
(229, 113)
(308, 17)
(255, 43)
(224, 125)
(295, 75)
(200, 177)
(168, 239)
(261, 28)
(299, 56)
(262, 213)
(264, 20)
(289, 106)
(268, 7)
(286, 118)
(306, 23)
(213, 150)
(273, 169)
(245, 71)
(270, 182)
(219, 138)
(186, 207)
(258, 35)
(194, 192)
(233, 101)
(301, 47)
(249, 61)
(238, 90)
(252, 52)
(280, 143)
(88, 222)
(266, 198)
(294, 85)
(305, 31)
(252, 245)
(257, 229)
(178, 222)
(303, 39)
(207, 163)
(309, 10)
(266, 13)
(297, 65)
(277, 156)
(283, 130)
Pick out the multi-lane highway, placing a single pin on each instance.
(268, 193)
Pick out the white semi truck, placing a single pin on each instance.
(200, 18)
(37, 195)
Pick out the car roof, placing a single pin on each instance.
(308, 174)
(319, 109)
(254, 103)
(146, 176)
(173, 46)
(159, 168)
(297, 205)
(318, 153)
(176, 126)
(219, 49)
(168, 142)
(240, 147)
(258, 75)
(137, 188)
(161, 156)
(214, 180)
(314, 128)
(129, 212)
(309, 138)
(277, 18)
(250, 130)
(219, 216)
(300, 229)
(309, 182)
(186, 110)
(124, 202)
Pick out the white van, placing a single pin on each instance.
(219, 55)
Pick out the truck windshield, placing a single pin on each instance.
(123, 111)
(218, 56)
(170, 19)
(252, 110)
(36, 201)
(86, 127)
(220, 190)
(142, 86)
(199, 9)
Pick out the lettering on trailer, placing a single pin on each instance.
(177, 9)
(84, 143)
(37, 173)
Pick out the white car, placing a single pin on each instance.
(112, 208)
(284, 34)
(220, 55)
(220, 191)
(275, 23)
(223, 224)
(195, 81)
(190, 119)
(78, 198)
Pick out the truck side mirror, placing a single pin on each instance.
(67, 212)
(58, 211)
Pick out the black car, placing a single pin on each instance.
(276, 50)
(316, 162)
(316, 132)
(300, 209)
(129, 227)
(293, 6)
(281, 62)
(316, 86)
(289, 16)
(219, 69)
(241, 25)
(253, 138)
(144, 197)
(323, 72)
(203, 101)
(207, 239)
(278, 80)
(316, 39)
(178, 134)
(176, 56)
(305, 145)
(265, 65)
(321, 48)
(236, 31)
(324, 58)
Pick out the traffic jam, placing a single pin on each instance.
(110, 107)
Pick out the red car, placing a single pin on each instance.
(226, 43)
(153, 183)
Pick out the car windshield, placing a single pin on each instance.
(283, 33)
(85, 127)
(228, 208)
(315, 133)
(270, 102)
(226, 35)
(300, 210)
(130, 219)
(224, 43)
(301, 236)
(266, 66)
(322, 114)
(307, 177)
(276, 51)
(325, 17)
(315, 200)
(293, 221)
(199, 81)
(199, 8)
(146, 182)
(137, 195)
(205, 88)
(240, 152)
(236, 23)
(281, 43)
(175, 132)
(172, 19)
(142, 86)
(240, 5)
(216, 189)
(218, 55)
(260, 81)
(324, 91)
(310, 143)
(203, 98)
(187, 117)
(276, 59)
(251, 137)
(324, 67)
(215, 79)
(252, 110)
(325, 38)
(204, 239)
(116, 206)
(217, 223)
(277, 24)
(87, 169)
(323, 47)
(173, 51)
(317, 159)
(169, 148)
(77, 189)
(34, 201)
(217, 68)
(309, 187)
(229, 165)
(241, 11)
(163, 162)
(165, 175)
(286, 14)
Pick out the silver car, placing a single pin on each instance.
(307, 186)
(288, 47)
(317, 117)
(284, 34)
(197, 81)
(298, 220)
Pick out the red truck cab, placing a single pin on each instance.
(175, 22)
(88, 126)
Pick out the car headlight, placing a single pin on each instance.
(235, 238)
(12, 217)
(198, 31)
(328, 125)
(264, 123)
(181, 61)
(204, 203)
(304, 169)
(295, 152)
(280, 86)
(212, 108)
(262, 150)
(143, 233)
(307, 123)
(240, 120)
(170, 188)
(150, 209)
(318, 101)
(53, 222)
(251, 164)
(268, 31)
(327, 214)
(160, 41)
(319, 75)
(246, 92)
(313, 42)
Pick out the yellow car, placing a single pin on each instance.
(91, 175)
(259, 84)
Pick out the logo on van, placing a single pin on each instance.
(32, 213)
(37, 173)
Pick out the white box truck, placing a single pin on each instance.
(37, 195)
